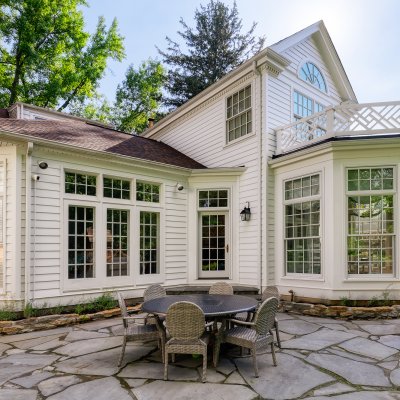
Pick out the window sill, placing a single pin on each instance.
(317, 278)
(375, 278)
(239, 140)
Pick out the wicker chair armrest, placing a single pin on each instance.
(238, 322)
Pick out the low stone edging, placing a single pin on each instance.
(343, 312)
(55, 321)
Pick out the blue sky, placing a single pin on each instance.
(366, 34)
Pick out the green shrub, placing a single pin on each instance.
(6, 315)
(374, 302)
(345, 301)
(104, 302)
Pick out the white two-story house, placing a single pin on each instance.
(273, 175)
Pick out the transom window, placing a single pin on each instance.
(310, 73)
(117, 242)
(148, 192)
(213, 198)
(80, 184)
(149, 243)
(238, 114)
(371, 237)
(302, 225)
(116, 188)
(81, 239)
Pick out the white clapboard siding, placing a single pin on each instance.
(202, 136)
(279, 112)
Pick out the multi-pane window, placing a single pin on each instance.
(149, 243)
(213, 198)
(213, 242)
(302, 225)
(117, 242)
(310, 73)
(238, 114)
(371, 237)
(80, 184)
(304, 106)
(148, 192)
(116, 188)
(81, 239)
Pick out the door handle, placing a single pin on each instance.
(227, 248)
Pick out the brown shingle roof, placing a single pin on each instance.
(3, 113)
(93, 137)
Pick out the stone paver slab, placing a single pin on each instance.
(318, 340)
(389, 364)
(102, 363)
(363, 395)
(235, 379)
(297, 327)
(225, 366)
(32, 380)
(30, 343)
(99, 389)
(89, 346)
(212, 375)
(57, 384)
(192, 391)
(33, 335)
(336, 388)
(290, 369)
(356, 372)
(382, 329)
(50, 345)
(156, 371)
(391, 341)
(395, 377)
(19, 364)
(18, 394)
(83, 335)
(368, 348)
(351, 356)
(4, 347)
(135, 382)
(100, 324)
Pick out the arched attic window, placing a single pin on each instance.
(311, 74)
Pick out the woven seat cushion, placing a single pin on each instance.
(241, 336)
(136, 329)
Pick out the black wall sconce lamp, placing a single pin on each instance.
(245, 214)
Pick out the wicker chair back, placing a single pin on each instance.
(185, 321)
(122, 306)
(221, 288)
(154, 292)
(270, 291)
(265, 316)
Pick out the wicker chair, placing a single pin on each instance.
(221, 288)
(269, 291)
(185, 323)
(153, 292)
(252, 335)
(134, 331)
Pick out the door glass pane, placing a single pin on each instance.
(213, 242)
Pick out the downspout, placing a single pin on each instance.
(28, 187)
(260, 152)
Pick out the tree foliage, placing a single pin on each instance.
(46, 57)
(138, 97)
(214, 47)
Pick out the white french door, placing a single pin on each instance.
(214, 245)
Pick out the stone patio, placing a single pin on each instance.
(320, 359)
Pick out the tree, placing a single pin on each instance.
(46, 57)
(138, 97)
(96, 108)
(214, 47)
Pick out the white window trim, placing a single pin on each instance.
(294, 275)
(132, 184)
(393, 277)
(314, 101)
(147, 204)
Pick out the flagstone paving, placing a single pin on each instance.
(320, 359)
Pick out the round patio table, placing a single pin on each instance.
(213, 305)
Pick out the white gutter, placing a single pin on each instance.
(28, 187)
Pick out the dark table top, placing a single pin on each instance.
(212, 304)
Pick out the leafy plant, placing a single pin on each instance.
(347, 302)
(101, 303)
(6, 315)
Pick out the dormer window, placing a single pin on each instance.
(311, 74)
